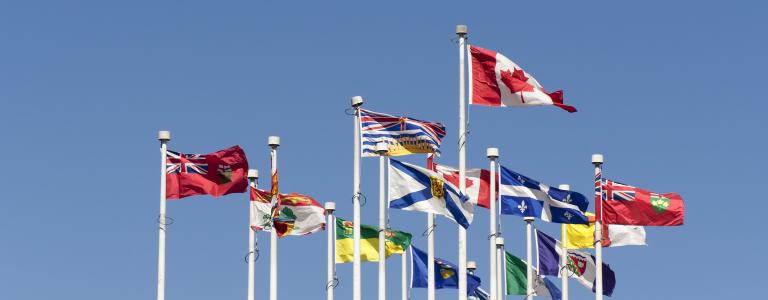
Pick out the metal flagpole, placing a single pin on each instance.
(500, 268)
(274, 142)
(471, 267)
(493, 154)
(357, 101)
(381, 149)
(331, 229)
(403, 274)
(253, 176)
(528, 255)
(430, 256)
(461, 31)
(163, 136)
(564, 256)
(597, 160)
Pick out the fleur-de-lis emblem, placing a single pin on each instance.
(568, 215)
(522, 207)
(567, 198)
(521, 179)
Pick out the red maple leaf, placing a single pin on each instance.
(516, 82)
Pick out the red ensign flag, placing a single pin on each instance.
(216, 174)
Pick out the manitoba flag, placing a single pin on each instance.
(628, 205)
(497, 81)
(216, 174)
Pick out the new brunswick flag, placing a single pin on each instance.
(396, 243)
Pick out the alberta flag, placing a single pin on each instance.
(419, 189)
(581, 266)
(527, 197)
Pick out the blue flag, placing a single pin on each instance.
(446, 273)
(527, 197)
(581, 266)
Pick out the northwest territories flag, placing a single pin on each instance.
(419, 189)
(526, 197)
(402, 135)
(581, 266)
(446, 273)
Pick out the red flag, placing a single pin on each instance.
(478, 183)
(629, 205)
(216, 174)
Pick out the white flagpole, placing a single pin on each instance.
(331, 230)
(164, 137)
(500, 268)
(471, 267)
(528, 255)
(381, 149)
(493, 154)
(357, 101)
(461, 31)
(274, 142)
(597, 160)
(403, 275)
(564, 255)
(430, 256)
(253, 176)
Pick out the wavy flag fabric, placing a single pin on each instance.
(216, 174)
(478, 183)
(583, 236)
(526, 197)
(397, 242)
(517, 281)
(261, 204)
(298, 214)
(446, 273)
(497, 81)
(581, 266)
(403, 135)
(419, 189)
(628, 205)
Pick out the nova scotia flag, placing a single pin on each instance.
(419, 189)
(523, 196)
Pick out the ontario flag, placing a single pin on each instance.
(628, 205)
(216, 174)
(497, 81)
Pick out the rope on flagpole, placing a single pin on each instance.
(255, 252)
(333, 283)
(363, 199)
(429, 230)
(165, 221)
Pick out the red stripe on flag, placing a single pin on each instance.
(485, 88)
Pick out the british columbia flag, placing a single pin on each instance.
(403, 135)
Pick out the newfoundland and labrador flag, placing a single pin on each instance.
(497, 81)
(402, 135)
(629, 205)
(581, 266)
(446, 273)
(527, 197)
(516, 280)
(298, 214)
(216, 174)
(396, 242)
(419, 189)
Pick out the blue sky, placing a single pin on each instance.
(670, 92)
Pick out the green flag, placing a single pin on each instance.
(517, 281)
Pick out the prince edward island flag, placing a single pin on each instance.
(527, 197)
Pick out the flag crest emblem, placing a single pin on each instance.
(436, 187)
(659, 203)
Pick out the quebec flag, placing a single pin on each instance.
(419, 189)
(523, 196)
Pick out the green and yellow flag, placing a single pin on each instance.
(397, 242)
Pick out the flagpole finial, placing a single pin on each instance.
(597, 159)
(564, 187)
(273, 141)
(330, 206)
(253, 174)
(382, 148)
(164, 135)
(492, 153)
(529, 219)
(471, 266)
(499, 241)
(461, 30)
(357, 101)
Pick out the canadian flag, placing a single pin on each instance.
(497, 81)
(478, 183)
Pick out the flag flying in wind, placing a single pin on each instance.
(261, 204)
(527, 197)
(583, 236)
(402, 135)
(446, 273)
(298, 214)
(497, 81)
(581, 266)
(419, 189)
(216, 174)
(478, 183)
(629, 205)
(396, 242)
(517, 280)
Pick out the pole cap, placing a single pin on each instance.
(529, 219)
(461, 29)
(273, 141)
(164, 135)
(471, 265)
(492, 153)
(499, 241)
(357, 101)
(597, 159)
(253, 174)
(330, 206)
(382, 148)
(564, 187)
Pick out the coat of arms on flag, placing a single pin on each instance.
(215, 174)
(402, 135)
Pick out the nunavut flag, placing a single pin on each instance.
(628, 205)
(497, 81)
(216, 174)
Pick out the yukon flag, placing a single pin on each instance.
(497, 81)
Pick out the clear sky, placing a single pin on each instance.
(669, 91)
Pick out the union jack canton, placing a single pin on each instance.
(402, 135)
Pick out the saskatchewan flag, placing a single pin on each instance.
(397, 242)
